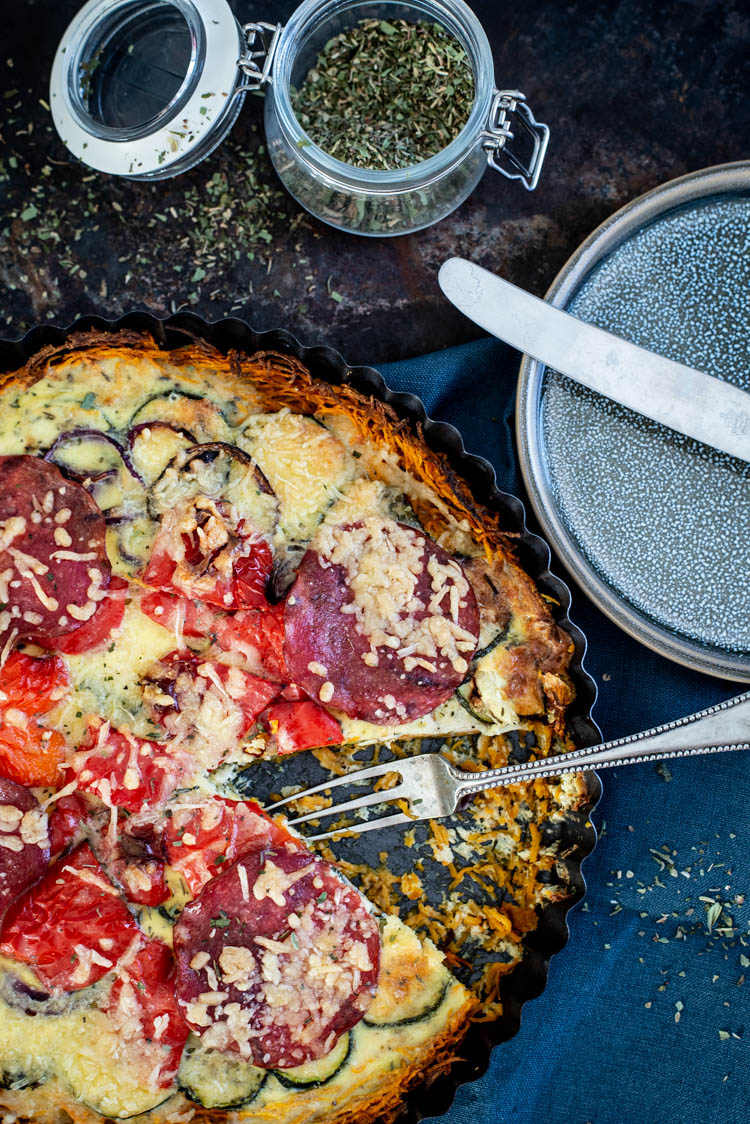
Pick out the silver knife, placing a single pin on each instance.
(688, 401)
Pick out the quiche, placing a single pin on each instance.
(221, 579)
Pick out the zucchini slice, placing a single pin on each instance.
(15, 1079)
(311, 1075)
(425, 1003)
(217, 1080)
(463, 700)
(498, 638)
(106, 1110)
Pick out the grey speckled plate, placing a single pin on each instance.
(654, 526)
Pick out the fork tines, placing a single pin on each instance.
(385, 796)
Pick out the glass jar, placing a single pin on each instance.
(148, 88)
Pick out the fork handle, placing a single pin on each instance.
(716, 730)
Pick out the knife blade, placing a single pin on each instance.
(688, 401)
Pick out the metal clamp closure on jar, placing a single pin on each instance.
(256, 62)
(148, 88)
(509, 111)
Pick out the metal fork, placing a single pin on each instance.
(433, 788)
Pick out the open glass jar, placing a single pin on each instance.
(148, 88)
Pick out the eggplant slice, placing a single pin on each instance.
(219, 471)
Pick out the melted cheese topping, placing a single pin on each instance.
(304, 463)
(22, 829)
(107, 682)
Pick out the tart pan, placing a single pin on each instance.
(527, 980)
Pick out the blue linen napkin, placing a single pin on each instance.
(645, 1015)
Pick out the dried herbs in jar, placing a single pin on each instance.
(386, 94)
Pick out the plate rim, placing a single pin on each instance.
(528, 979)
(719, 179)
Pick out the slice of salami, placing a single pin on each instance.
(277, 958)
(54, 569)
(24, 842)
(381, 622)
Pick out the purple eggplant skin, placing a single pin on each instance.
(143, 841)
(33, 1001)
(117, 519)
(208, 452)
(121, 519)
(127, 558)
(93, 435)
(284, 571)
(212, 449)
(93, 484)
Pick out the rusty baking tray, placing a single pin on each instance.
(527, 980)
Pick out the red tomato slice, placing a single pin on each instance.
(126, 771)
(95, 632)
(134, 862)
(250, 577)
(30, 754)
(189, 680)
(180, 615)
(301, 725)
(259, 638)
(32, 684)
(148, 985)
(65, 819)
(158, 572)
(72, 927)
(202, 842)
(231, 575)
(143, 883)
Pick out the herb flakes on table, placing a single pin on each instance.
(386, 94)
(70, 237)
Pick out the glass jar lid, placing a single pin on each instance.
(147, 88)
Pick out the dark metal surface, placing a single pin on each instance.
(635, 93)
(577, 835)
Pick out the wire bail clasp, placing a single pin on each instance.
(256, 61)
(510, 120)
